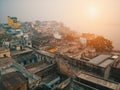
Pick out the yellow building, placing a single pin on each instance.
(54, 49)
(12, 22)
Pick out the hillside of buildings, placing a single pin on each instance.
(47, 55)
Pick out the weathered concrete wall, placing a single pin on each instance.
(5, 53)
(72, 66)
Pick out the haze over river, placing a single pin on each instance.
(111, 32)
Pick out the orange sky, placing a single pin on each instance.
(76, 14)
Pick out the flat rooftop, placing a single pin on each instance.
(6, 61)
(99, 59)
(36, 68)
(45, 53)
(18, 52)
(99, 81)
(106, 63)
(3, 49)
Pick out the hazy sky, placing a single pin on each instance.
(97, 16)
(71, 12)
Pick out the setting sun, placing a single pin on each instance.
(93, 11)
(59, 44)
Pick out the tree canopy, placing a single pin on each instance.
(101, 44)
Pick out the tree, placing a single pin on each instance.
(101, 44)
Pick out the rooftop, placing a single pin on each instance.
(46, 53)
(6, 61)
(106, 63)
(11, 80)
(99, 59)
(99, 81)
(26, 50)
(3, 49)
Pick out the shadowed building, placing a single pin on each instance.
(42, 41)
(115, 70)
(85, 81)
(13, 81)
(100, 65)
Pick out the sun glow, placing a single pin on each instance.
(93, 11)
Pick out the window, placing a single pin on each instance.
(25, 62)
(5, 55)
(29, 43)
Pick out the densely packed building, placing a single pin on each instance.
(49, 56)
